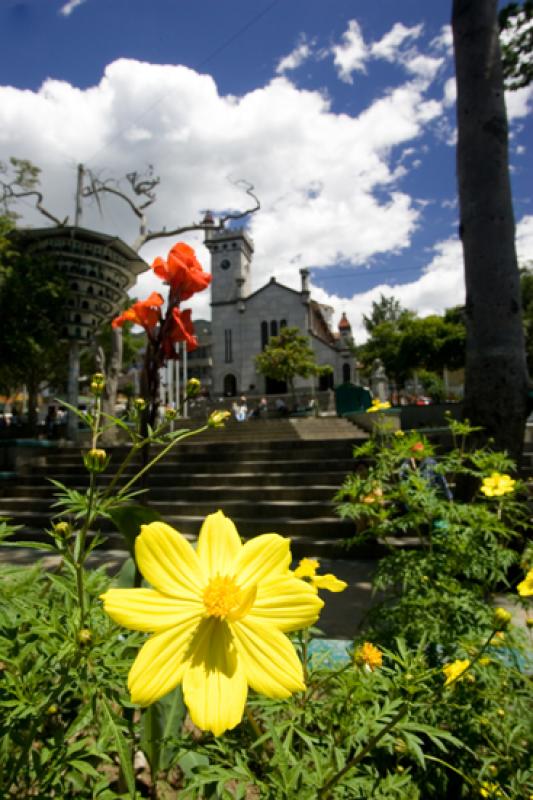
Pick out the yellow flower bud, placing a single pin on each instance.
(170, 413)
(193, 387)
(85, 636)
(96, 460)
(97, 383)
(63, 529)
(218, 418)
(502, 618)
(529, 622)
(139, 404)
(52, 709)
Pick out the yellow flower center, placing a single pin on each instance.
(223, 598)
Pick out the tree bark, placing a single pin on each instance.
(496, 381)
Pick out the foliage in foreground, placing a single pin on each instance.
(435, 708)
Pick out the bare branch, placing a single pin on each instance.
(205, 225)
(8, 193)
(98, 186)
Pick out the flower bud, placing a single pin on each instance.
(63, 530)
(84, 636)
(97, 383)
(139, 404)
(52, 709)
(170, 413)
(96, 460)
(529, 622)
(218, 418)
(502, 618)
(193, 387)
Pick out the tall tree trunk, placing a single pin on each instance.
(496, 380)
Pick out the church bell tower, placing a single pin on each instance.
(231, 255)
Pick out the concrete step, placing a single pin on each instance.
(21, 494)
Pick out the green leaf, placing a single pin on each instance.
(123, 751)
(160, 722)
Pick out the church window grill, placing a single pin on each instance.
(228, 350)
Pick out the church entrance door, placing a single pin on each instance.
(230, 385)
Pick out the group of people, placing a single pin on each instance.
(241, 412)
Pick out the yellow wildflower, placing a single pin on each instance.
(96, 459)
(454, 671)
(193, 387)
(525, 587)
(502, 617)
(218, 618)
(369, 656)
(307, 568)
(378, 405)
(399, 433)
(497, 485)
(490, 790)
(218, 418)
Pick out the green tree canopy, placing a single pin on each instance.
(410, 343)
(288, 356)
(516, 40)
(32, 301)
(386, 309)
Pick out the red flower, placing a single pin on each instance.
(418, 448)
(182, 271)
(181, 330)
(145, 312)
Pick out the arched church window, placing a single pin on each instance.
(264, 335)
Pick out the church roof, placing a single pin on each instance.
(319, 326)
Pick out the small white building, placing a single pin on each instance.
(243, 321)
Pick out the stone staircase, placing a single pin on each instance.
(269, 475)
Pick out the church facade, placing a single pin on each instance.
(243, 321)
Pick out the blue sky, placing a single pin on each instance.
(340, 113)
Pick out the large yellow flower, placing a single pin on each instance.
(497, 485)
(525, 587)
(378, 405)
(218, 616)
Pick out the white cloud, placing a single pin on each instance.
(519, 103)
(327, 181)
(388, 46)
(350, 56)
(444, 41)
(69, 7)
(295, 58)
(440, 286)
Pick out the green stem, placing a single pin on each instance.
(159, 456)
(325, 790)
(79, 550)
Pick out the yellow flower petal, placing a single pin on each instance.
(525, 587)
(147, 610)
(161, 662)
(168, 562)
(329, 582)
(264, 557)
(214, 683)
(307, 568)
(218, 545)
(287, 603)
(269, 659)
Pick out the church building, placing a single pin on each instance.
(243, 321)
